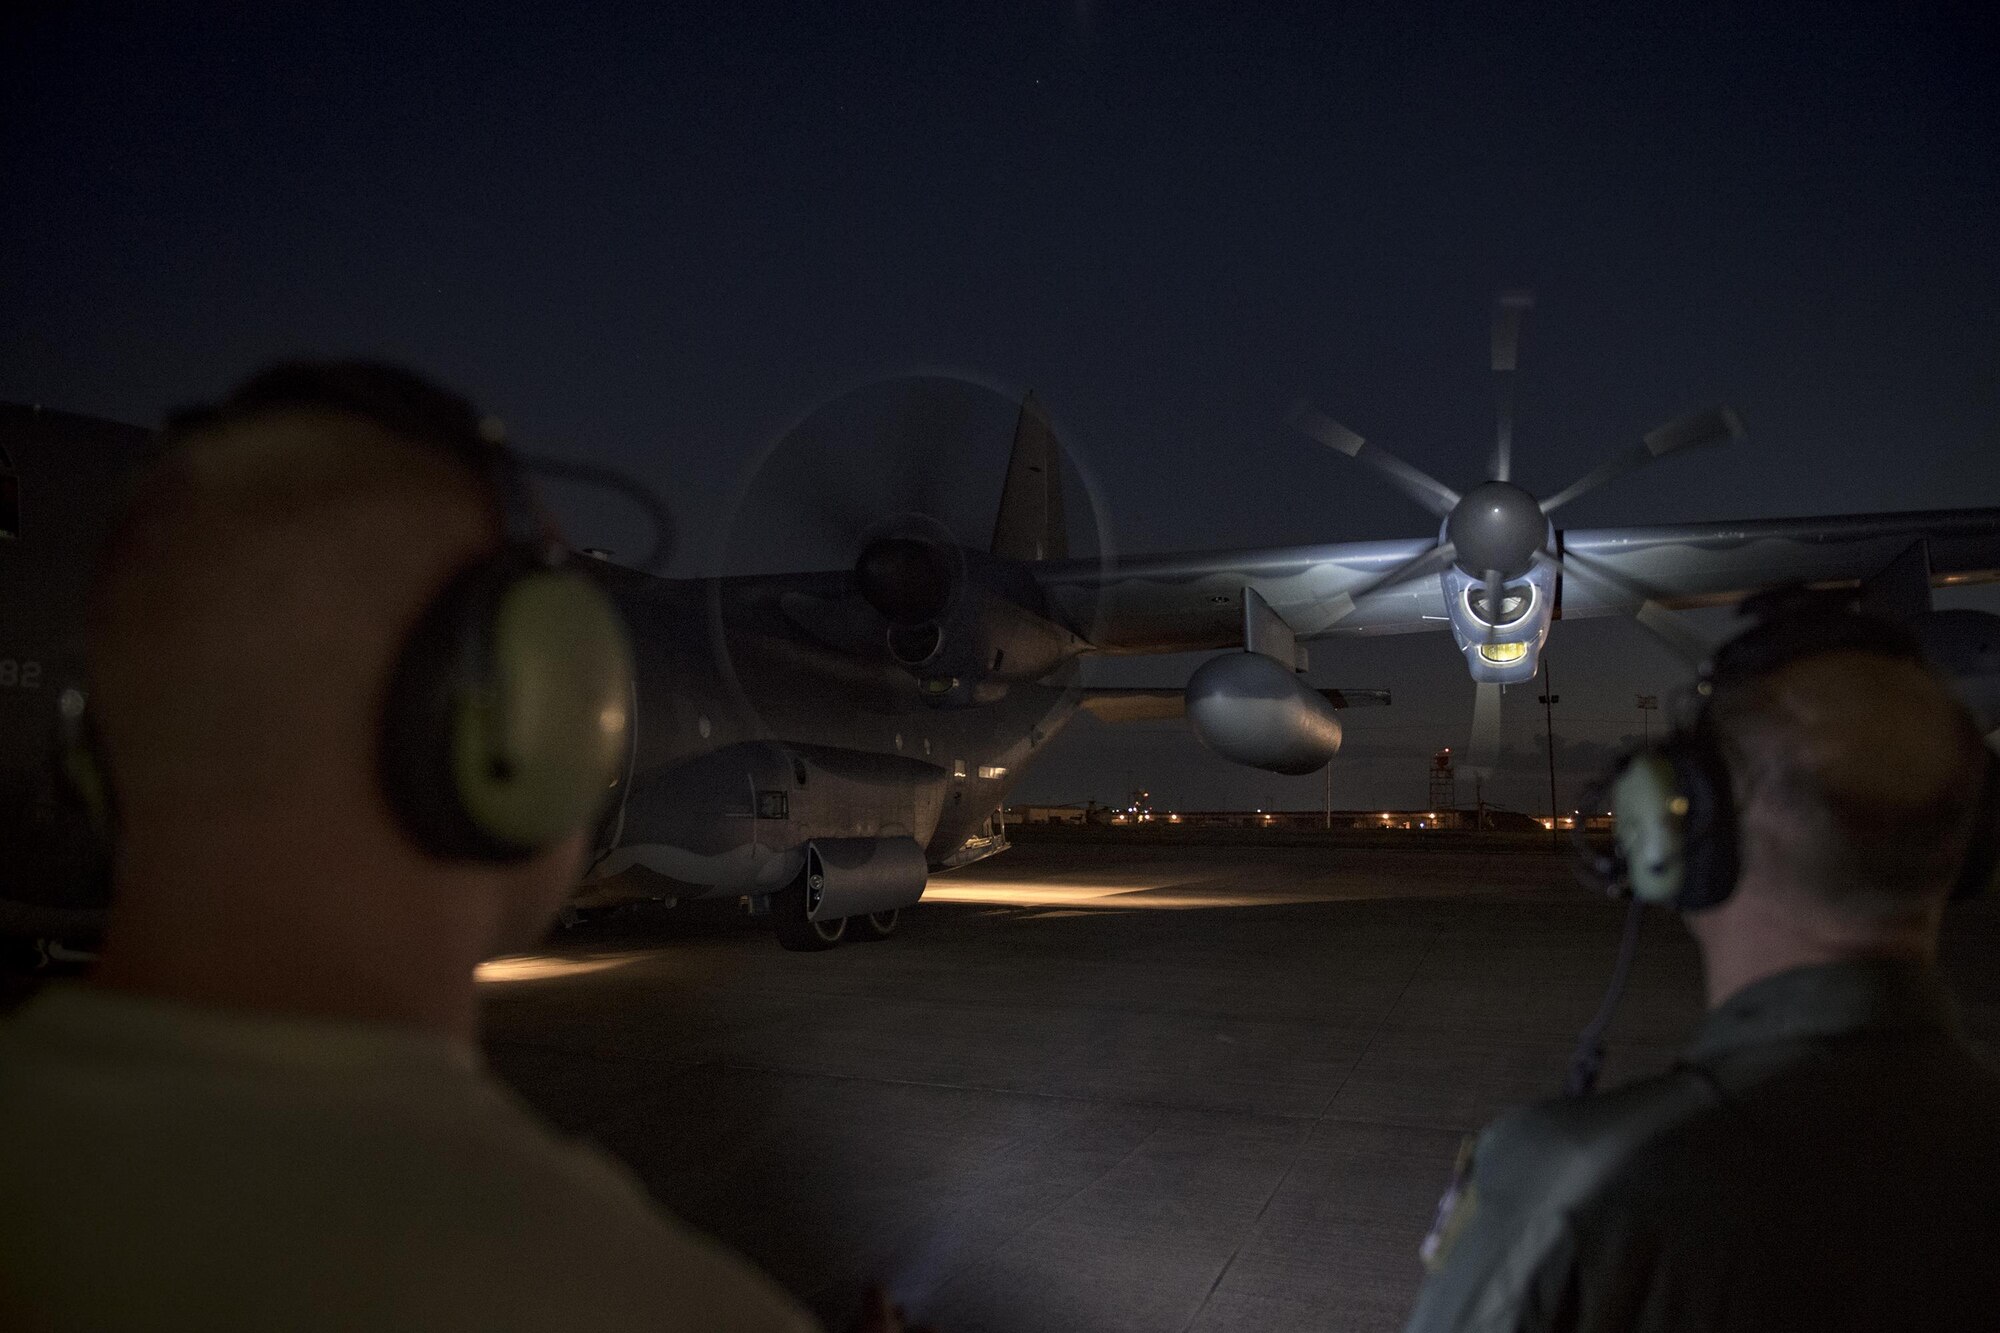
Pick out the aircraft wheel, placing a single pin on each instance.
(874, 926)
(796, 931)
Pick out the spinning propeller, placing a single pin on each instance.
(885, 497)
(1498, 531)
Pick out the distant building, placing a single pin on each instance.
(1135, 814)
(1049, 814)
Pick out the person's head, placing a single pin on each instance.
(1856, 778)
(245, 619)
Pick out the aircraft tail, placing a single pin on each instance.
(1031, 524)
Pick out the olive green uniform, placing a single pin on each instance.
(164, 1166)
(1826, 1155)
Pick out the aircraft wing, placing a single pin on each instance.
(1189, 602)
(1705, 564)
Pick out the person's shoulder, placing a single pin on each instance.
(595, 1220)
(1562, 1148)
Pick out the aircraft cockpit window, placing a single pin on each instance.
(773, 805)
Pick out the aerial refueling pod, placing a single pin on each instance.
(856, 876)
(1963, 646)
(1254, 710)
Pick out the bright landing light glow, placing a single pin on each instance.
(541, 967)
(1165, 896)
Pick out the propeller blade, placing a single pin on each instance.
(1696, 430)
(1484, 752)
(1434, 561)
(1507, 315)
(1665, 625)
(922, 437)
(1420, 486)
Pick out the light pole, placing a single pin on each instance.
(1549, 699)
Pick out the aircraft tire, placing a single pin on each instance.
(875, 925)
(795, 931)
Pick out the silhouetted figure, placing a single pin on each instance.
(1826, 1153)
(353, 713)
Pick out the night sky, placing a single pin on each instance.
(653, 241)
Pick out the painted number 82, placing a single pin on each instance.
(19, 675)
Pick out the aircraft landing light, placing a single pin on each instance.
(1500, 654)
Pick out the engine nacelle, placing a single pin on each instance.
(1254, 710)
(1964, 647)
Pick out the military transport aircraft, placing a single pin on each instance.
(818, 743)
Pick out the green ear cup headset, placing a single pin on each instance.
(1676, 841)
(507, 717)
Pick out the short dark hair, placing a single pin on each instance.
(1855, 772)
(268, 485)
(394, 399)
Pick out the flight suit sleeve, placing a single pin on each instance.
(1531, 1235)
(1500, 1252)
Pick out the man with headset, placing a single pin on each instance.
(1826, 1153)
(352, 718)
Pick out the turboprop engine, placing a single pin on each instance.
(955, 619)
(1255, 710)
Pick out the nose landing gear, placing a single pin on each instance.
(791, 916)
(797, 931)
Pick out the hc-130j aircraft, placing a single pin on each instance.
(819, 743)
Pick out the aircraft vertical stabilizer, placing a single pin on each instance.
(1031, 525)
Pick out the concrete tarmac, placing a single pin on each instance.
(1102, 1085)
